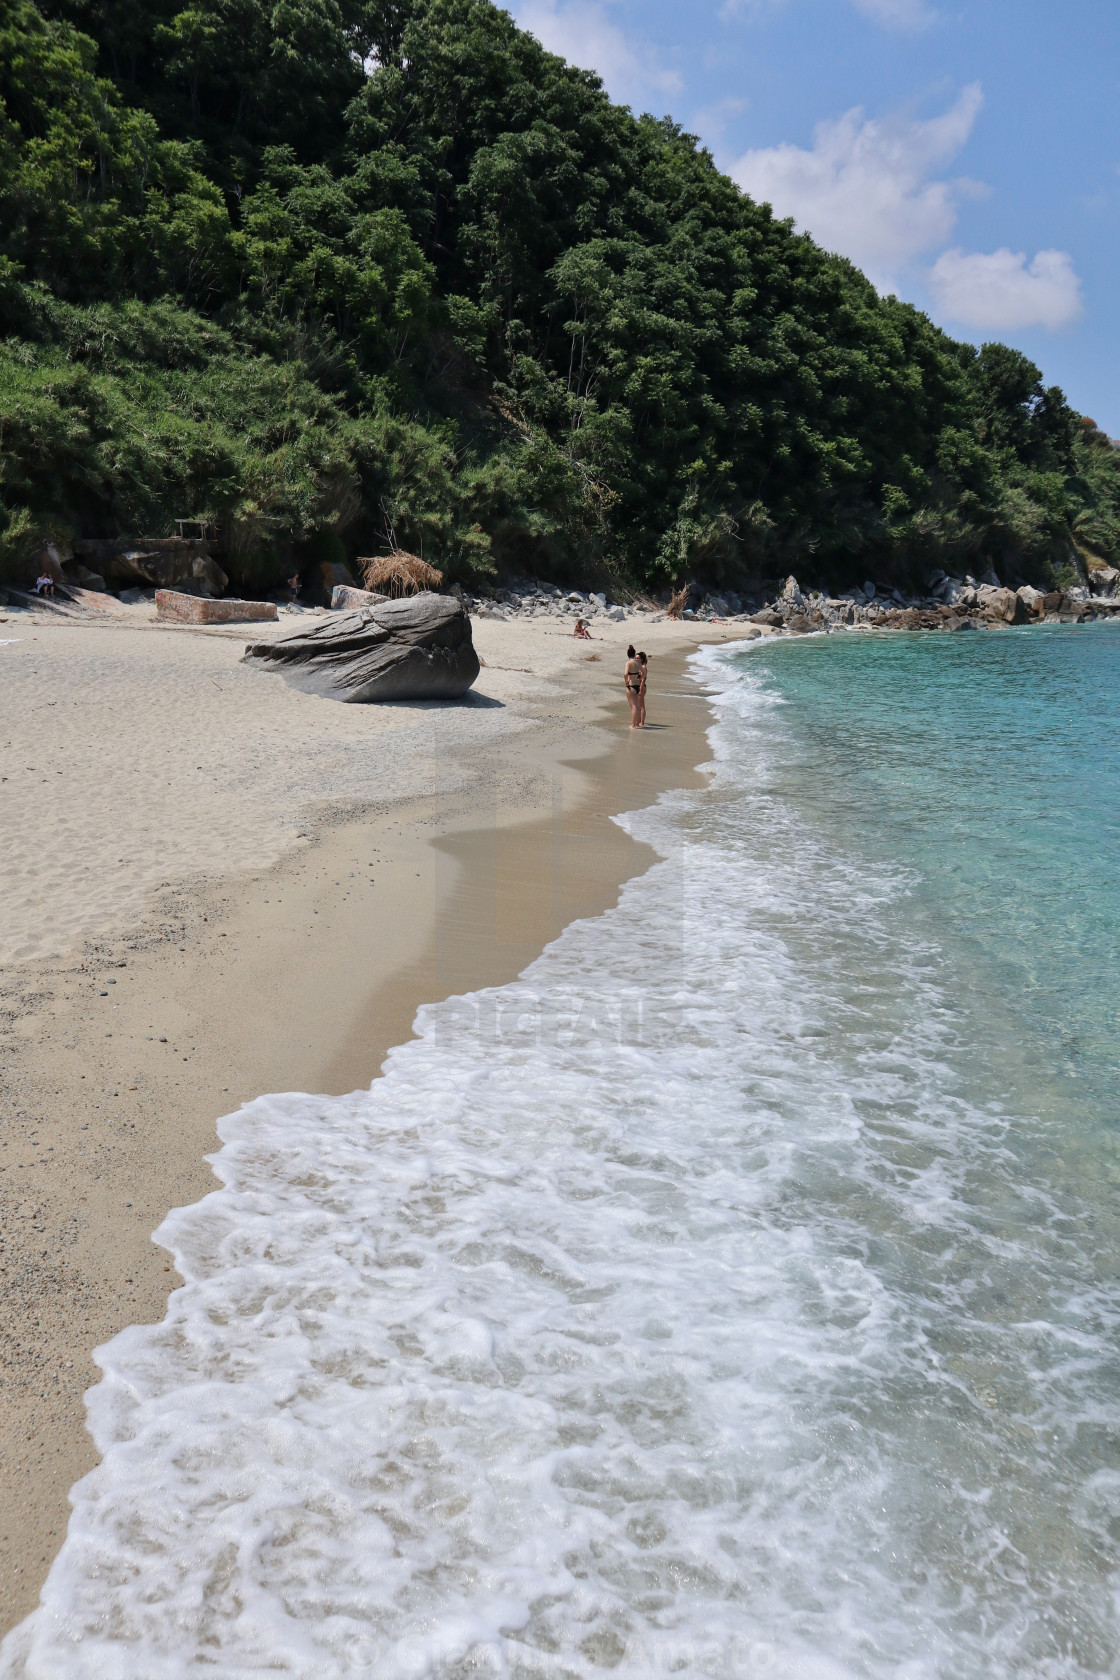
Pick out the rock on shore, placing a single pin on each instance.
(159, 562)
(952, 604)
(418, 648)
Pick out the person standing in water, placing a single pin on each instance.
(644, 662)
(634, 677)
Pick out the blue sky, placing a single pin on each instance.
(966, 156)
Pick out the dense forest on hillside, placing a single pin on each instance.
(345, 275)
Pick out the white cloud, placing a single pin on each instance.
(734, 8)
(712, 120)
(582, 32)
(864, 187)
(1001, 292)
(897, 14)
(892, 14)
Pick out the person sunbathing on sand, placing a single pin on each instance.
(581, 631)
(633, 676)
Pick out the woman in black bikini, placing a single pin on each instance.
(633, 678)
(644, 663)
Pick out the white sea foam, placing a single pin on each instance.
(671, 1310)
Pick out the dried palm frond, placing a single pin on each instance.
(399, 574)
(676, 604)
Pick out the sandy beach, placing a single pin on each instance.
(213, 886)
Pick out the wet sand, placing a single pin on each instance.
(122, 1047)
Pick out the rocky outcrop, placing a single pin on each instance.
(953, 604)
(333, 574)
(418, 648)
(159, 562)
(1075, 607)
(791, 602)
(174, 608)
(1003, 604)
(67, 602)
(838, 611)
(80, 577)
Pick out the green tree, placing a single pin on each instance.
(385, 271)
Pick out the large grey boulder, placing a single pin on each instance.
(418, 648)
(1034, 599)
(1001, 605)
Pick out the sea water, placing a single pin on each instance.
(736, 1293)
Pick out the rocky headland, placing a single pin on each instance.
(950, 603)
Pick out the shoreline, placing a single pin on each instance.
(121, 1056)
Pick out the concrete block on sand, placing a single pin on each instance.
(175, 608)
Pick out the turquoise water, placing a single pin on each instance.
(989, 765)
(981, 776)
(736, 1293)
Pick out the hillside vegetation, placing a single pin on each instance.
(346, 275)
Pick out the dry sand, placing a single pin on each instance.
(212, 885)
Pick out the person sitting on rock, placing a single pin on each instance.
(44, 585)
(581, 631)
